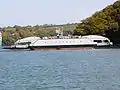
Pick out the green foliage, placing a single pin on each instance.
(12, 34)
(105, 22)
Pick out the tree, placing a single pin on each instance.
(105, 22)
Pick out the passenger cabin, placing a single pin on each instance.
(82, 40)
(99, 40)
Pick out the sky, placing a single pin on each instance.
(39, 12)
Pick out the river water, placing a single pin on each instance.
(60, 70)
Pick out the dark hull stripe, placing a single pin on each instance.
(8, 47)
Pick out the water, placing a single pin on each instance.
(60, 70)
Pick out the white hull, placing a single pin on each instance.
(85, 42)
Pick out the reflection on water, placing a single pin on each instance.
(60, 70)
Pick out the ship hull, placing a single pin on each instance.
(67, 47)
(63, 47)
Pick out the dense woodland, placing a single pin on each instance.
(105, 22)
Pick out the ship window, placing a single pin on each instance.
(106, 41)
(24, 43)
(98, 41)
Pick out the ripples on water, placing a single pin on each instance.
(60, 70)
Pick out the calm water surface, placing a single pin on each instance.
(60, 70)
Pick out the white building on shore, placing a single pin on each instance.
(0, 39)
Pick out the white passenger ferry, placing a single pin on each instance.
(84, 42)
(61, 42)
(64, 43)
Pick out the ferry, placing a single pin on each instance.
(61, 42)
(64, 43)
(71, 43)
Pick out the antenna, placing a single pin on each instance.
(59, 31)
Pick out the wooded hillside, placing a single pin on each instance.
(105, 22)
(12, 34)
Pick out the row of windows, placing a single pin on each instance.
(24, 43)
(100, 41)
(64, 42)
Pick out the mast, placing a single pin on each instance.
(59, 32)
